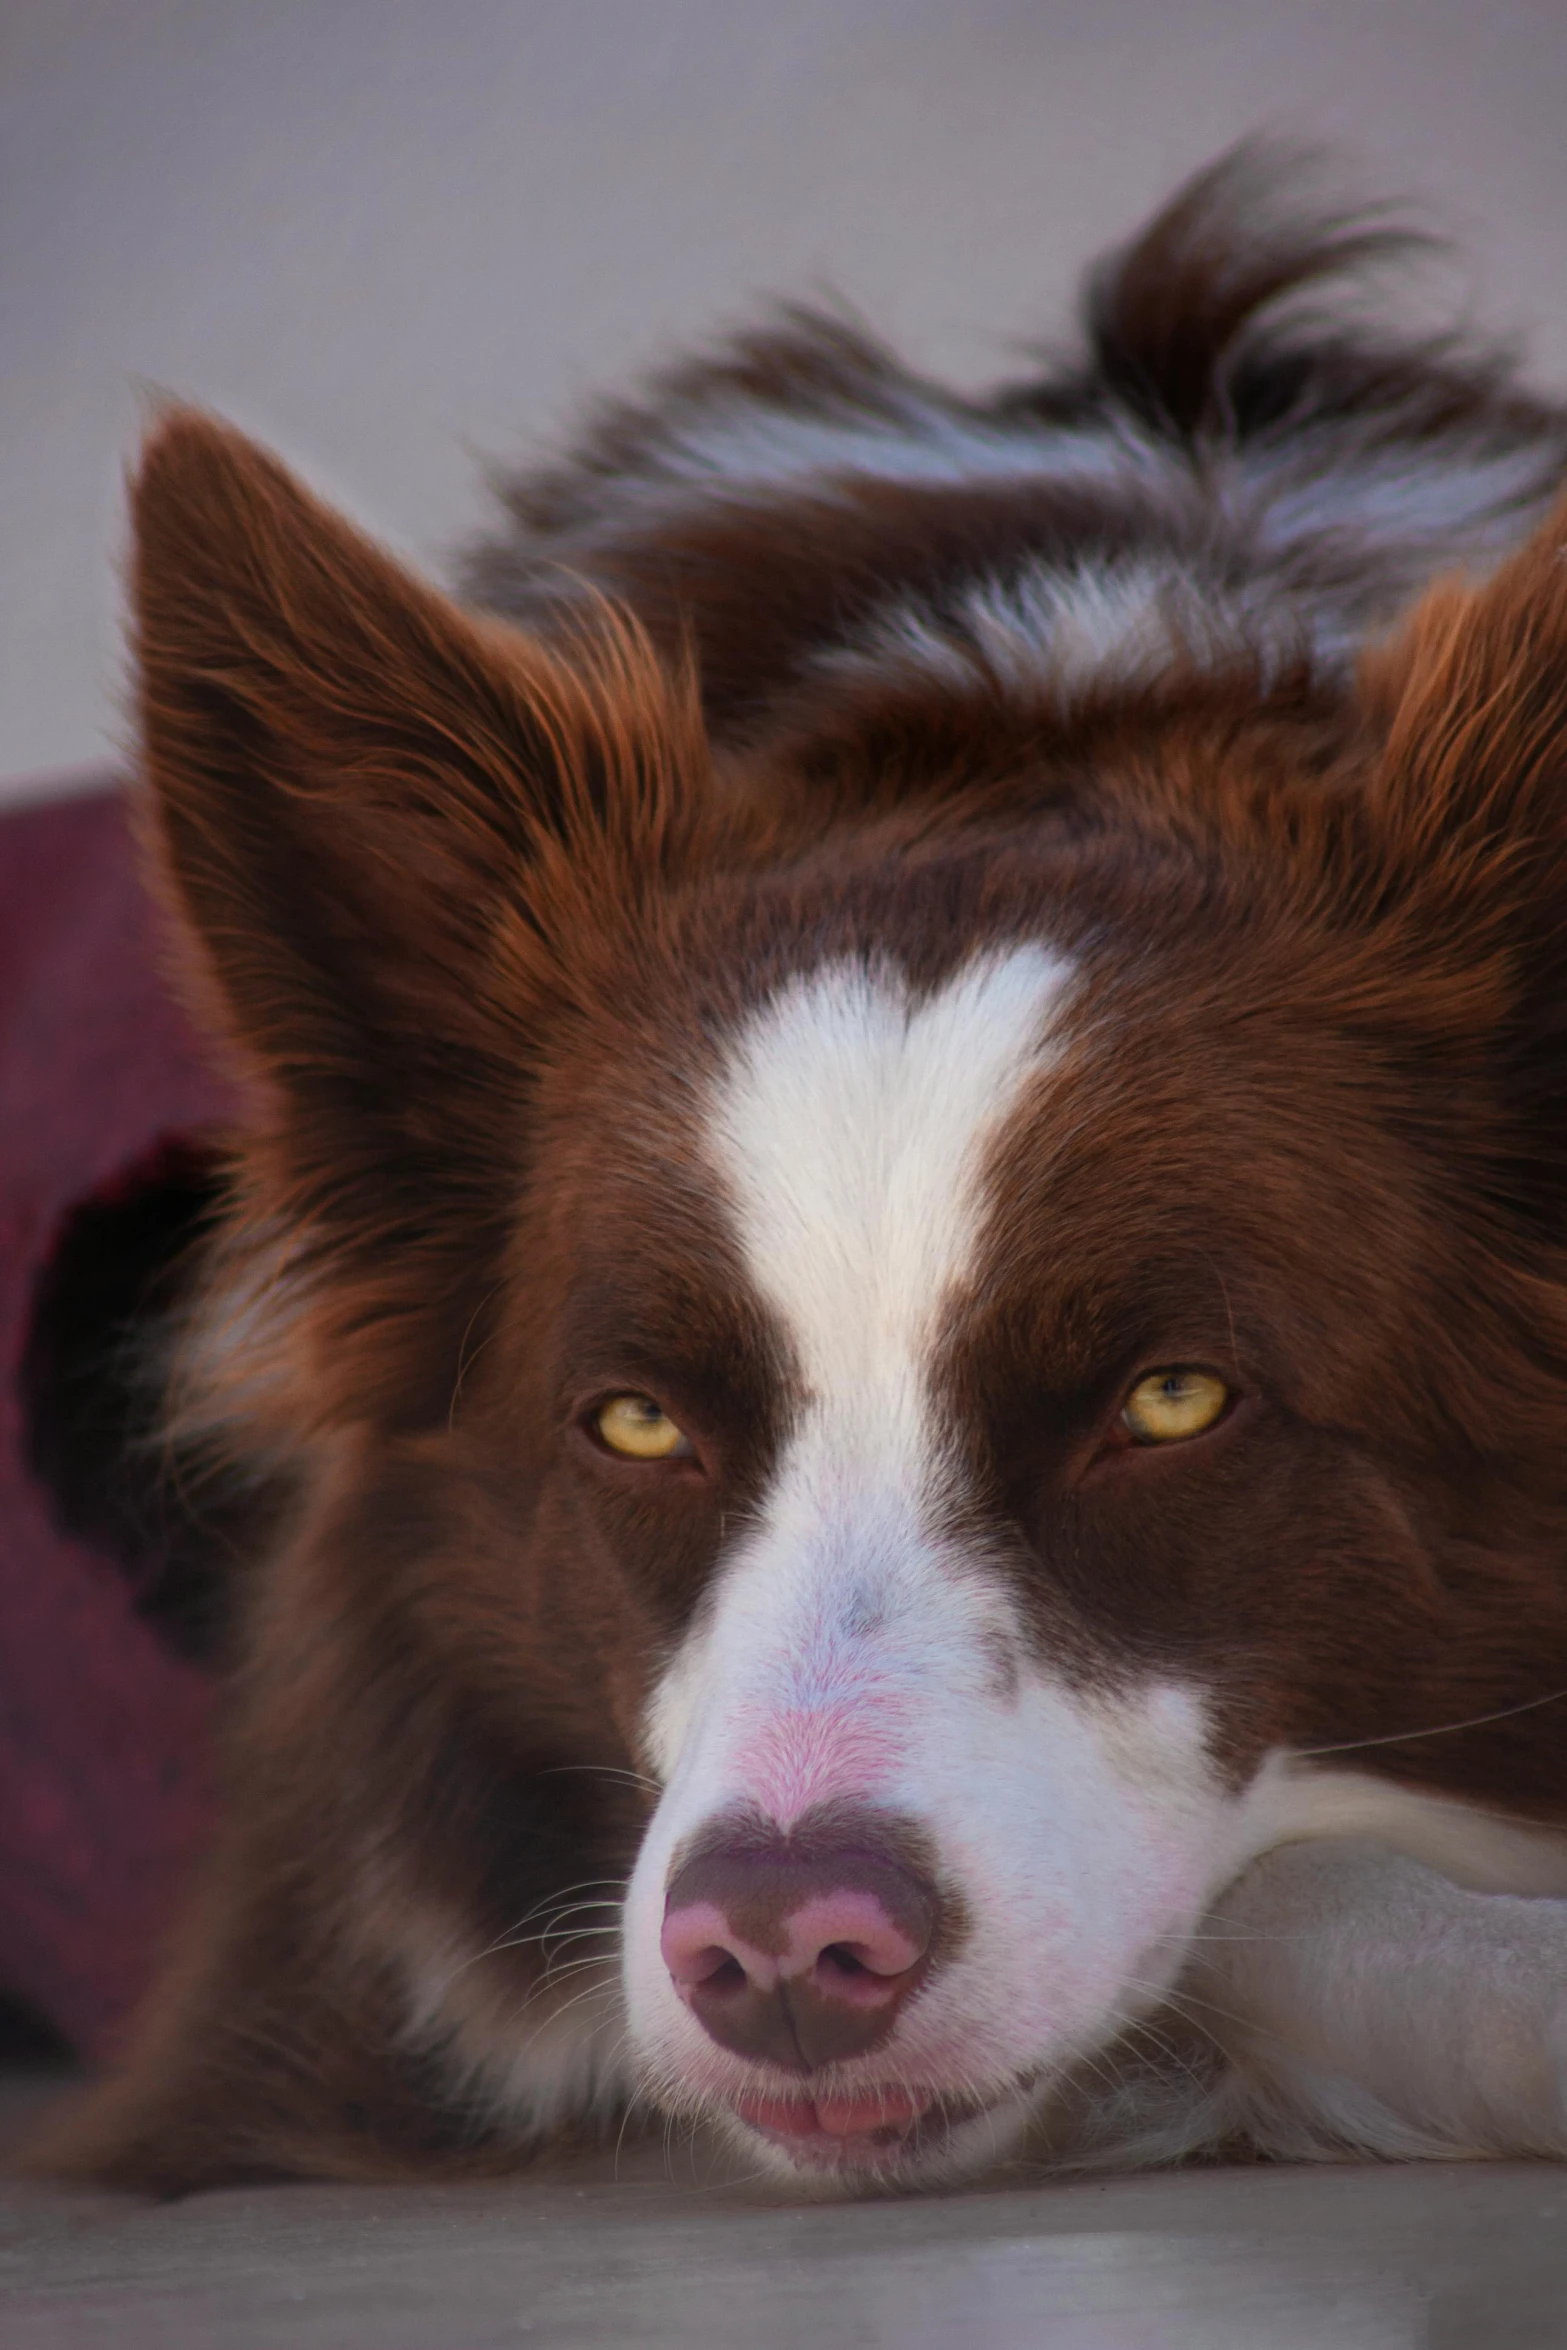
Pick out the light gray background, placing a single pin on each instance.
(392, 236)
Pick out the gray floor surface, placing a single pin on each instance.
(1267, 2259)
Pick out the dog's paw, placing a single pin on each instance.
(1369, 2004)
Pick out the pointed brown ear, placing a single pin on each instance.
(1470, 803)
(354, 781)
(1475, 766)
(375, 816)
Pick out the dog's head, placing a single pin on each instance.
(889, 1368)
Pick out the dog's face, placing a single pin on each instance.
(972, 1356)
(990, 1370)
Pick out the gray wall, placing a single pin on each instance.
(392, 236)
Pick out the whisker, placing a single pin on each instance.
(561, 1930)
(591, 1991)
(1172, 2000)
(604, 1771)
(563, 1974)
(1505, 1713)
(550, 1901)
(570, 1909)
(637, 2097)
(465, 1360)
(1172, 2054)
(557, 1930)
(1183, 2003)
(1221, 1936)
(560, 1933)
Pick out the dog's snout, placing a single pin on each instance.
(799, 1957)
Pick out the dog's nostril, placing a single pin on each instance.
(839, 1959)
(702, 1966)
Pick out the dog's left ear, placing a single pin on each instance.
(1474, 774)
(1469, 804)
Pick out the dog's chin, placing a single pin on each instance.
(872, 2138)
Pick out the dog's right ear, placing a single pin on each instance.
(373, 810)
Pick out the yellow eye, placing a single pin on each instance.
(1170, 1405)
(634, 1426)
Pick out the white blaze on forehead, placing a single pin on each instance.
(851, 1130)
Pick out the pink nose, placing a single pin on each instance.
(798, 1956)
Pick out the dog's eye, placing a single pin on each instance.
(1170, 1405)
(635, 1427)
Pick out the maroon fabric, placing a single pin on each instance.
(104, 1767)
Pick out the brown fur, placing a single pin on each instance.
(472, 909)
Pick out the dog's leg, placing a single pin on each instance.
(1369, 2004)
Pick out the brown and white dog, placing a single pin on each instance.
(897, 1290)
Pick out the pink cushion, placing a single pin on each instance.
(104, 1763)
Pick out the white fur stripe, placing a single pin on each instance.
(850, 1132)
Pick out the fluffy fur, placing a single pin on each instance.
(905, 914)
